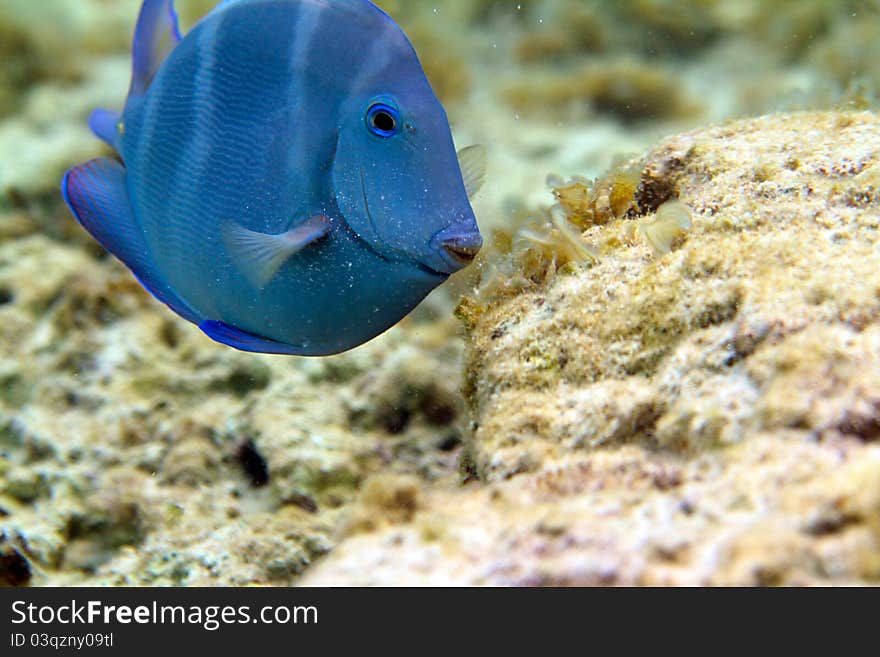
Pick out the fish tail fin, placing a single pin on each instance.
(156, 35)
(106, 125)
(97, 196)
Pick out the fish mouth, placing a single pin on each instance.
(463, 253)
(457, 247)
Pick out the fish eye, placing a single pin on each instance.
(383, 120)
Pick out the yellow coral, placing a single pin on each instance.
(594, 203)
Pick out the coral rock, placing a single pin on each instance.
(707, 416)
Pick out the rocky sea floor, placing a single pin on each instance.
(706, 415)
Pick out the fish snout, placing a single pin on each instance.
(456, 247)
(463, 248)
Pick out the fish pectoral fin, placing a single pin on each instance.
(259, 256)
(244, 341)
(105, 125)
(156, 35)
(472, 161)
(97, 196)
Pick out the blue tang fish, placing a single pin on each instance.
(286, 178)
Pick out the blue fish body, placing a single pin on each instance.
(286, 178)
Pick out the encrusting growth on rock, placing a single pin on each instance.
(671, 220)
(705, 417)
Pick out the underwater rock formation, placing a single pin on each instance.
(707, 416)
(133, 451)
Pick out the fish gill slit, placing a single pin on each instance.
(367, 204)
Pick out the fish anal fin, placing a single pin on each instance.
(472, 161)
(259, 256)
(244, 341)
(156, 35)
(96, 194)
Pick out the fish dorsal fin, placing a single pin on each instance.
(259, 256)
(472, 161)
(156, 35)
